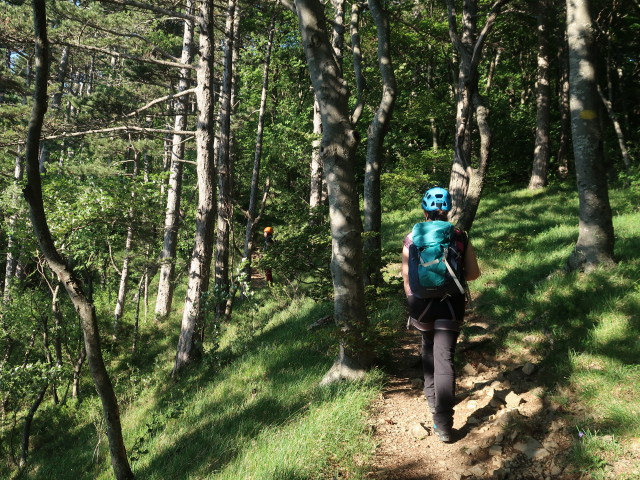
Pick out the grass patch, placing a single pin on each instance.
(252, 409)
(586, 325)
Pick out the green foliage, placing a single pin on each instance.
(586, 323)
(301, 254)
(419, 171)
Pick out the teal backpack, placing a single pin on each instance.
(435, 260)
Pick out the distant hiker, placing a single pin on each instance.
(437, 260)
(268, 241)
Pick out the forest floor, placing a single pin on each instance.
(503, 426)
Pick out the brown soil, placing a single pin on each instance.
(503, 426)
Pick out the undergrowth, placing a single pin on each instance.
(253, 408)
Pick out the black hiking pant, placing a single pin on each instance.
(438, 350)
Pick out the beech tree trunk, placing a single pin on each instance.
(337, 33)
(164, 298)
(86, 311)
(376, 133)
(224, 167)
(361, 84)
(339, 141)
(466, 181)
(595, 239)
(543, 96)
(189, 343)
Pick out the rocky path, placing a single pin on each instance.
(504, 426)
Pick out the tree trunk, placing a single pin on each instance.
(128, 246)
(477, 175)
(465, 184)
(492, 69)
(57, 316)
(56, 100)
(434, 134)
(339, 141)
(77, 370)
(252, 216)
(189, 343)
(361, 84)
(224, 168)
(86, 311)
(595, 239)
(12, 247)
(626, 157)
(28, 420)
(48, 356)
(377, 131)
(337, 33)
(164, 298)
(565, 114)
(543, 95)
(315, 196)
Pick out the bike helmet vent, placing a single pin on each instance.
(436, 198)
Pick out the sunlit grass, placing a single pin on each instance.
(252, 409)
(585, 326)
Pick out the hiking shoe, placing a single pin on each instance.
(432, 406)
(445, 437)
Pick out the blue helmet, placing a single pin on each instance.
(436, 198)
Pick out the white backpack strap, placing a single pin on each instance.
(455, 279)
(437, 260)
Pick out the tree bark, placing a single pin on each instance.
(164, 298)
(189, 344)
(315, 195)
(565, 114)
(257, 158)
(86, 311)
(28, 420)
(339, 141)
(128, 247)
(12, 247)
(543, 96)
(622, 144)
(337, 33)
(469, 45)
(376, 133)
(595, 242)
(77, 370)
(224, 167)
(361, 84)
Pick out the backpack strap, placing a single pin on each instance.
(453, 275)
(438, 324)
(424, 312)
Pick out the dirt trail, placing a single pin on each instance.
(503, 427)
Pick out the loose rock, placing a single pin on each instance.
(531, 448)
(419, 432)
(528, 368)
(513, 400)
(417, 383)
(469, 369)
(495, 450)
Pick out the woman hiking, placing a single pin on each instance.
(438, 316)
